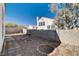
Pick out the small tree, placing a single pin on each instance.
(68, 13)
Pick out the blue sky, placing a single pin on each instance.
(26, 13)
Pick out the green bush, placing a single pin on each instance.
(10, 24)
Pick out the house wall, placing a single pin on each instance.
(1, 25)
(47, 21)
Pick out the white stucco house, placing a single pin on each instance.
(44, 23)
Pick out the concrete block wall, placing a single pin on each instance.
(64, 36)
(12, 30)
(69, 36)
(45, 34)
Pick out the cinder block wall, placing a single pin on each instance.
(12, 30)
(45, 34)
(69, 36)
(64, 36)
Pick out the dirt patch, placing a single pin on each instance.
(45, 49)
(65, 50)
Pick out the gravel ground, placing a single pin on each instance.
(22, 45)
(66, 50)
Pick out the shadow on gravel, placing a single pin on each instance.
(39, 43)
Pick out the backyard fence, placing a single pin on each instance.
(69, 36)
(45, 34)
(65, 36)
(12, 30)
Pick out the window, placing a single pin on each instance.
(52, 26)
(41, 23)
(48, 27)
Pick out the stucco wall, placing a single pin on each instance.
(69, 36)
(65, 36)
(45, 34)
(12, 30)
(1, 25)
